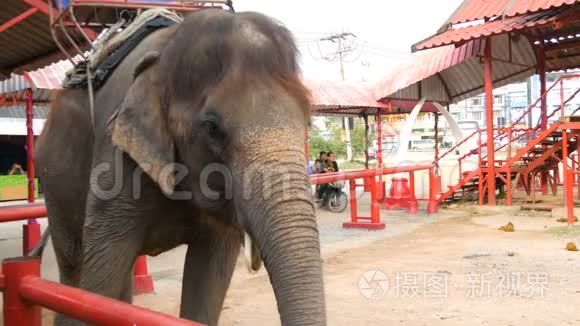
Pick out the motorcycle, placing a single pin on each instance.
(334, 198)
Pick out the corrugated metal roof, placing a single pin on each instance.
(19, 112)
(341, 95)
(26, 41)
(43, 79)
(471, 10)
(49, 77)
(423, 67)
(449, 74)
(28, 44)
(495, 27)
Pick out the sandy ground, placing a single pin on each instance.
(453, 268)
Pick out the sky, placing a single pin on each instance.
(384, 30)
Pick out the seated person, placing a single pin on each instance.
(16, 169)
(330, 167)
(332, 161)
(316, 167)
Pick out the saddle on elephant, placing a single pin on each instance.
(115, 44)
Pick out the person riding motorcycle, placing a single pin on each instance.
(329, 166)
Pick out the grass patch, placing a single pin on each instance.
(565, 231)
(347, 165)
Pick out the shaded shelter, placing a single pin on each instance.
(487, 44)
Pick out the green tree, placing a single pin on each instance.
(335, 143)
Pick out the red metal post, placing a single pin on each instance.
(375, 206)
(578, 166)
(353, 205)
(479, 159)
(143, 282)
(381, 186)
(413, 206)
(543, 96)
(16, 310)
(436, 136)
(489, 123)
(543, 107)
(31, 230)
(379, 140)
(568, 198)
(29, 145)
(432, 205)
(509, 171)
(30, 236)
(568, 182)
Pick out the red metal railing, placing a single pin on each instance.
(22, 212)
(374, 221)
(25, 292)
(143, 283)
(510, 136)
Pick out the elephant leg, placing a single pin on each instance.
(69, 262)
(66, 240)
(209, 264)
(111, 243)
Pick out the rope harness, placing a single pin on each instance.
(112, 47)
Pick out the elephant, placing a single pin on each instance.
(194, 139)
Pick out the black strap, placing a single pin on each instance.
(104, 69)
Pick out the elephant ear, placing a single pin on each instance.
(140, 128)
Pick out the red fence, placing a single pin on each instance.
(377, 191)
(25, 292)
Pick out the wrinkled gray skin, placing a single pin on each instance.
(219, 88)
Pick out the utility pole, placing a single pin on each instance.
(341, 52)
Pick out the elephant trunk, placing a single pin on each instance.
(279, 215)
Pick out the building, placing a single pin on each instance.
(511, 101)
(13, 134)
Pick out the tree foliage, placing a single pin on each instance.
(317, 143)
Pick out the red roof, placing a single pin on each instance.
(422, 65)
(471, 10)
(494, 27)
(341, 95)
(47, 78)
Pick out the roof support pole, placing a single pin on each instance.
(379, 140)
(29, 145)
(436, 136)
(366, 120)
(543, 107)
(381, 184)
(542, 73)
(31, 230)
(488, 76)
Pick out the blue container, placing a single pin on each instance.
(63, 3)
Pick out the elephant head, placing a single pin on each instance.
(225, 96)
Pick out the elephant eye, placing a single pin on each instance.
(210, 126)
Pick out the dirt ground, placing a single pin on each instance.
(456, 269)
(452, 268)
